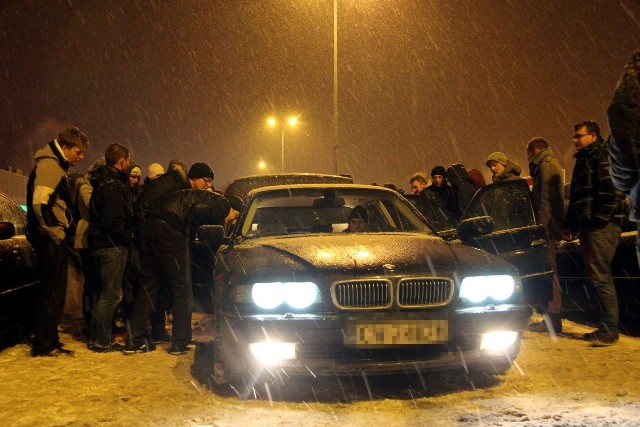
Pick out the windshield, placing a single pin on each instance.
(321, 209)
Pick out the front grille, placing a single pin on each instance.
(362, 294)
(424, 292)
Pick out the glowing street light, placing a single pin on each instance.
(292, 121)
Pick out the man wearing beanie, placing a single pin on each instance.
(155, 170)
(135, 174)
(501, 168)
(175, 179)
(166, 238)
(445, 194)
(200, 176)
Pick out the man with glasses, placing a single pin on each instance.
(595, 213)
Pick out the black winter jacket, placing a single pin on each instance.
(187, 210)
(171, 181)
(594, 200)
(111, 209)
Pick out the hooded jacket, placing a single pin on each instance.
(624, 144)
(111, 209)
(511, 172)
(548, 191)
(594, 200)
(49, 195)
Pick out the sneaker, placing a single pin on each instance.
(144, 347)
(111, 349)
(602, 337)
(551, 321)
(177, 349)
(58, 351)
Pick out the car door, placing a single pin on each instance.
(517, 235)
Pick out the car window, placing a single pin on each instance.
(10, 212)
(508, 203)
(326, 210)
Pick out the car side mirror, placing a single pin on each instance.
(476, 226)
(212, 235)
(7, 230)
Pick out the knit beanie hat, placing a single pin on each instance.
(439, 170)
(155, 170)
(497, 156)
(200, 170)
(135, 171)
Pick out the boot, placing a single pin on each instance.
(551, 321)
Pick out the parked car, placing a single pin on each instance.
(18, 274)
(579, 297)
(297, 296)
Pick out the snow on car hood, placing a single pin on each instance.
(404, 252)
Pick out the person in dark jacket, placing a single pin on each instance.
(430, 204)
(166, 237)
(440, 186)
(548, 204)
(595, 213)
(624, 144)
(463, 186)
(110, 235)
(502, 169)
(175, 179)
(50, 231)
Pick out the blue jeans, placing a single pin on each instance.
(111, 263)
(598, 246)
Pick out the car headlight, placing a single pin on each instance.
(479, 288)
(296, 295)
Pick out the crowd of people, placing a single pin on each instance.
(595, 214)
(132, 240)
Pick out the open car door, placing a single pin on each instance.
(516, 235)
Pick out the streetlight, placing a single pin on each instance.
(335, 86)
(292, 121)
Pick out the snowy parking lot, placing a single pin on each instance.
(554, 382)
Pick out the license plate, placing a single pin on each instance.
(396, 332)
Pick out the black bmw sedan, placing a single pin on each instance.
(341, 279)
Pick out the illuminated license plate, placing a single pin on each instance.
(396, 332)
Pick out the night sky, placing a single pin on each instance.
(421, 82)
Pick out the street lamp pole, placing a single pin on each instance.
(273, 122)
(335, 86)
(282, 145)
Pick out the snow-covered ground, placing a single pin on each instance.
(563, 382)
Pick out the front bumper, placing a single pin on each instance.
(323, 347)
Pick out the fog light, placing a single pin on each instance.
(270, 351)
(498, 341)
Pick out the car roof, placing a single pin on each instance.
(271, 188)
(242, 186)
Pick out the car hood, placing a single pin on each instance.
(354, 254)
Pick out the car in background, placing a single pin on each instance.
(18, 273)
(580, 298)
(297, 296)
